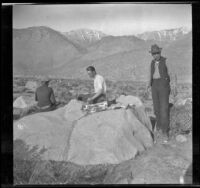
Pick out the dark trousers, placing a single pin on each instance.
(160, 96)
(51, 108)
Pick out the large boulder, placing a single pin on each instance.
(108, 137)
(23, 105)
(68, 134)
(20, 102)
(24, 102)
(49, 130)
(138, 108)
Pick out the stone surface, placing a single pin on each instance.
(67, 134)
(129, 100)
(108, 137)
(24, 102)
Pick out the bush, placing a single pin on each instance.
(29, 168)
(180, 120)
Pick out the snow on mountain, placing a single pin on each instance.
(165, 35)
(84, 37)
(44, 51)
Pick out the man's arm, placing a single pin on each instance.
(168, 71)
(97, 94)
(36, 99)
(149, 77)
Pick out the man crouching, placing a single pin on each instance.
(99, 94)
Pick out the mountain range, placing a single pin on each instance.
(44, 51)
(84, 37)
(165, 35)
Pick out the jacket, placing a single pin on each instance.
(162, 69)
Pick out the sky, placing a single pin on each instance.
(112, 19)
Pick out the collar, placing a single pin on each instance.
(161, 58)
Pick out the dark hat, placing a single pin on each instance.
(155, 49)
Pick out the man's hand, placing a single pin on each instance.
(148, 88)
(146, 93)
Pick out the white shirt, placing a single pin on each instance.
(156, 73)
(99, 83)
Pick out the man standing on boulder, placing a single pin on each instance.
(99, 94)
(159, 81)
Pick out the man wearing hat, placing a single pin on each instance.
(159, 81)
(45, 96)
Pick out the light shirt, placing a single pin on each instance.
(99, 83)
(156, 73)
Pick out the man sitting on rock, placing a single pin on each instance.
(99, 94)
(45, 96)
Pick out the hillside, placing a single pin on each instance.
(41, 50)
(125, 60)
(84, 37)
(179, 55)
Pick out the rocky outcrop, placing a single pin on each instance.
(68, 134)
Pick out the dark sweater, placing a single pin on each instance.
(45, 96)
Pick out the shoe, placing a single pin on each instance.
(161, 138)
(165, 139)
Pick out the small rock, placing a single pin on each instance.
(181, 138)
(17, 113)
(31, 85)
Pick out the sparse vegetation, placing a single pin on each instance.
(28, 166)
